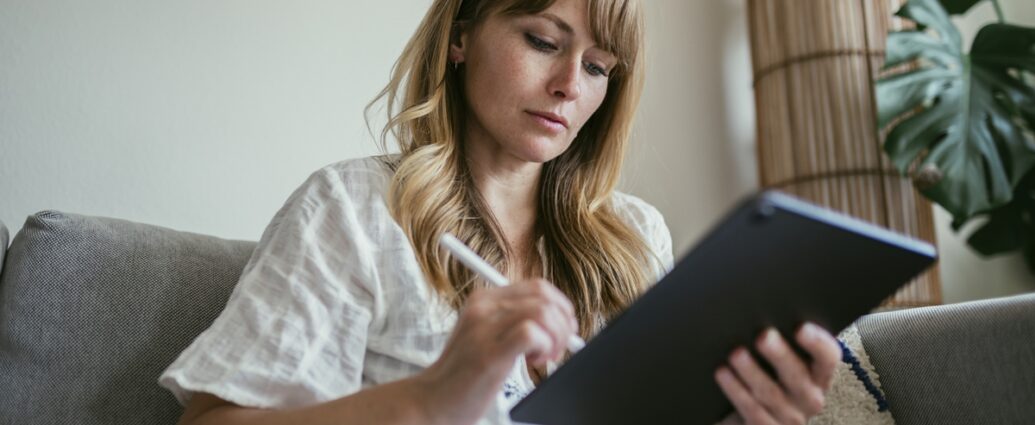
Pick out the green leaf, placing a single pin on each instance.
(1001, 233)
(930, 14)
(1010, 227)
(966, 117)
(958, 7)
(1029, 258)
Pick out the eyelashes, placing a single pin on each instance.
(540, 44)
(547, 47)
(595, 69)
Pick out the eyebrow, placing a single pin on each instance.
(562, 25)
(559, 22)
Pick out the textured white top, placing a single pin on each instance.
(333, 301)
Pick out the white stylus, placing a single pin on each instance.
(486, 271)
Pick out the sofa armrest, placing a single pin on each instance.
(971, 363)
(3, 246)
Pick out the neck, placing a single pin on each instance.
(510, 188)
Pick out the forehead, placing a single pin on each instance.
(572, 12)
(613, 25)
(569, 22)
(569, 15)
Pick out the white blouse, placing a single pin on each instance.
(333, 301)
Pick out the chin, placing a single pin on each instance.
(540, 150)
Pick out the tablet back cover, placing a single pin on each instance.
(774, 261)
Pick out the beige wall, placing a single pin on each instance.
(697, 131)
(204, 115)
(694, 152)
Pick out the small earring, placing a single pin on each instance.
(456, 66)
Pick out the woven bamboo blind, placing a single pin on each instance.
(814, 62)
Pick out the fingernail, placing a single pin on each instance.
(772, 338)
(741, 357)
(812, 331)
(723, 374)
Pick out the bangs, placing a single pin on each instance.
(616, 25)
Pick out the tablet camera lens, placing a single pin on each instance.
(763, 211)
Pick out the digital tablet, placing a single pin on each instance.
(773, 261)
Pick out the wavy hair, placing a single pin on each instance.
(589, 252)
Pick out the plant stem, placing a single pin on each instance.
(998, 11)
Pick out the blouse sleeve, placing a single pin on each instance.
(649, 222)
(294, 330)
(661, 242)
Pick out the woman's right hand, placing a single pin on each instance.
(496, 325)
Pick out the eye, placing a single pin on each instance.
(540, 44)
(595, 70)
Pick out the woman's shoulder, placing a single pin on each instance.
(370, 170)
(352, 180)
(648, 221)
(348, 193)
(636, 211)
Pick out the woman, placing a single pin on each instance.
(512, 121)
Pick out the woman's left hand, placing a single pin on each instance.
(802, 388)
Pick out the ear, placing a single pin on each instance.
(457, 44)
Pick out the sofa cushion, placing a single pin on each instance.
(969, 363)
(3, 246)
(93, 309)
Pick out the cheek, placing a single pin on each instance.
(502, 78)
(591, 103)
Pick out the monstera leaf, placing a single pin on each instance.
(961, 121)
(958, 7)
(1010, 227)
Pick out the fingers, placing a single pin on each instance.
(742, 399)
(529, 337)
(825, 351)
(546, 290)
(548, 294)
(520, 314)
(799, 394)
(793, 372)
(767, 392)
(548, 317)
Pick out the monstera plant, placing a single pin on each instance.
(960, 123)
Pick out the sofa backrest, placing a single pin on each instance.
(92, 310)
(967, 363)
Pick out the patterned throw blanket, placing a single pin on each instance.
(855, 397)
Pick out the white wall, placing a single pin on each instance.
(204, 115)
(198, 115)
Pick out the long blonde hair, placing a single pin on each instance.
(590, 253)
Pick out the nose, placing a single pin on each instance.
(566, 83)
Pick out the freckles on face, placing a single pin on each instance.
(531, 85)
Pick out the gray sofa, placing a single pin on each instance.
(93, 309)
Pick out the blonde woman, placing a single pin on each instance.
(512, 118)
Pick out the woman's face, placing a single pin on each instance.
(532, 81)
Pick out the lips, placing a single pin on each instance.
(549, 116)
